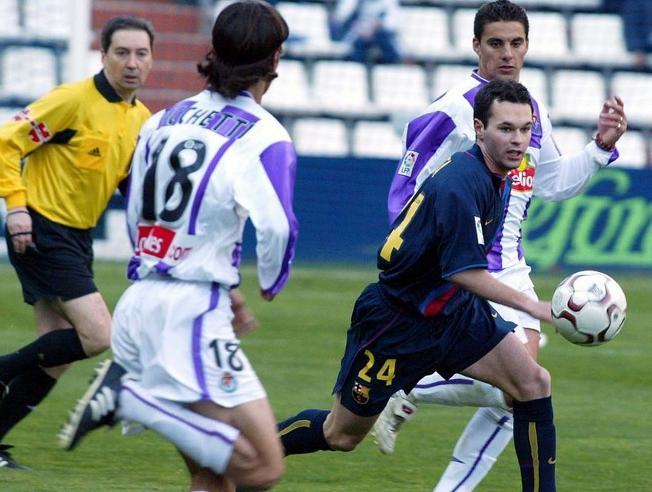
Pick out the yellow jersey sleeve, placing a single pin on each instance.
(32, 127)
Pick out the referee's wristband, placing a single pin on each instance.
(601, 145)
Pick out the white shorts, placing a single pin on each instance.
(176, 339)
(518, 277)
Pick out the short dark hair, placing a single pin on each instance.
(497, 11)
(246, 35)
(125, 22)
(499, 90)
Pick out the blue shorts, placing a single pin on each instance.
(60, 266)
(390, 347)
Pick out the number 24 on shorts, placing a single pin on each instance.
(386, 373)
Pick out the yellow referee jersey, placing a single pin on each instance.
(78, 141)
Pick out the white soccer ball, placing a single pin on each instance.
(588, 308)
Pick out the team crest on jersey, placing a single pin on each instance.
(229, 383)
(408, 162)
(523, 176)
(360, 393)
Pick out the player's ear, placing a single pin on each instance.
(476, 46)
(479, 129)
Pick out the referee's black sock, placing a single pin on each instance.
(52, 349)
(25, 393)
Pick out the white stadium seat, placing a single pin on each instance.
(320, 136)
(341, 88)
(447, 76)
(537, 83)
(49, 18)
(570, 139)
(309, 34)
(376, 139)
(28, 80)
(577, 95)
(548, 37)
(291, 91)
(423, 33)
(10, 24)
(463, 33)
(399, 88)
(599, 38)
(635, 89)
(633, 150)
(7, 113)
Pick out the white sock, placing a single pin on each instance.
(206, 441)
(476, 451)
(457, 391)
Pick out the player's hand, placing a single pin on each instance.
(244, 321)
(540, 310)
(268, 296)
(612, 122)
(19, 228)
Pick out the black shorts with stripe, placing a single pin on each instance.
(389, 348)
(60, 265)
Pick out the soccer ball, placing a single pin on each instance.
(588, 308)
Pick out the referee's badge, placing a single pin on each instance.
(408, 162)
(478, 230)
(228, 384)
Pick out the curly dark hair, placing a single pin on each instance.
(246, 36)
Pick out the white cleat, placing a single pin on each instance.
(399, 409)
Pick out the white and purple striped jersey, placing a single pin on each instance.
(200, 169)
(446, 127)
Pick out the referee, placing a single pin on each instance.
(61, 160)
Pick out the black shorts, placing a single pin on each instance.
(389, 348)
(61, 264)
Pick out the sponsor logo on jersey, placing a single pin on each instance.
(523, 176)
(228, 384)
(360, 393)
(39, 131)
(478, 230)
(154, 240)
(408, 162)
(95, 152)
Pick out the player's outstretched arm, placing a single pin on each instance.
(481, 283)
(612, 122)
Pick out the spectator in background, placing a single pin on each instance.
(76, 142)
(369, 27)
(637, 26)
(637, 19)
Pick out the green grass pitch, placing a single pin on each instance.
(602, 396)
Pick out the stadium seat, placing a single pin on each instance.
(341, 88)
(598, 38)
(570, 139)
(309, 34)
(31, 79)
(548, 37)
(448, 75)
(633, 150)
(536, 81)
(399, 88)
(10, 25)
(290, 92)
(48, 18)
(635, 89)
(320, 136)
(423, 33)
(376, 139)
(578, 95)
(462, 23)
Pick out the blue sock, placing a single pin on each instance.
(304, 433)
(535, 443)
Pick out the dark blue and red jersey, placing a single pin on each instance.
(447, 227)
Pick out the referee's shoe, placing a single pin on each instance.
(7, 461)
(96, 408)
